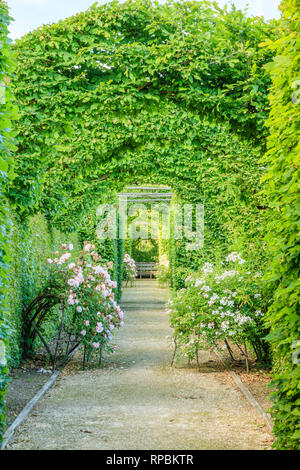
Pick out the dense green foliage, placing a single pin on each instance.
(144, 250)
(90, 85)
(130, 271)
(282, 189)
(7, 113)
(135, 92)
(30, 244)
(163, 274)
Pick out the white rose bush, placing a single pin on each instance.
(85, 287)
(219, 306)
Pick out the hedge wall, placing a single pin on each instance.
(282, 189)
(7, 113)
(108, 249)
(31, 243)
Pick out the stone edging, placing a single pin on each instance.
(246, 392)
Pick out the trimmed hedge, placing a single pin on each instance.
(140, 253)
(282, 189)
(7, 113)
(31, 243)
(108, 249)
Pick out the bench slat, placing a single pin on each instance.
(146, 268)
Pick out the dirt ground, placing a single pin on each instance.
(257, 380)
(137, 401)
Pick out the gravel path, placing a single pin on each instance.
(138, 402)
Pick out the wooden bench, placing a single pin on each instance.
(146, 269)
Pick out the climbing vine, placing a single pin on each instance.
(7, 113)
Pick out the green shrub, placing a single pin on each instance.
(179, 276)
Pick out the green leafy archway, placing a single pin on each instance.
(125, 90)
(143, 92)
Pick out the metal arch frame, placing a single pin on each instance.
(36, 314)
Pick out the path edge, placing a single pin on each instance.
(246, 392)
(9, 433)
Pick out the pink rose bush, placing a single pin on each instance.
(86, 288)
(130, 268)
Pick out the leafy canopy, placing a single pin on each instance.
(128, 89)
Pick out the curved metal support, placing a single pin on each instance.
(38, 310)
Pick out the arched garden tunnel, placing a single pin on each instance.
(133, 95)
(116, 96)
(117, 101)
